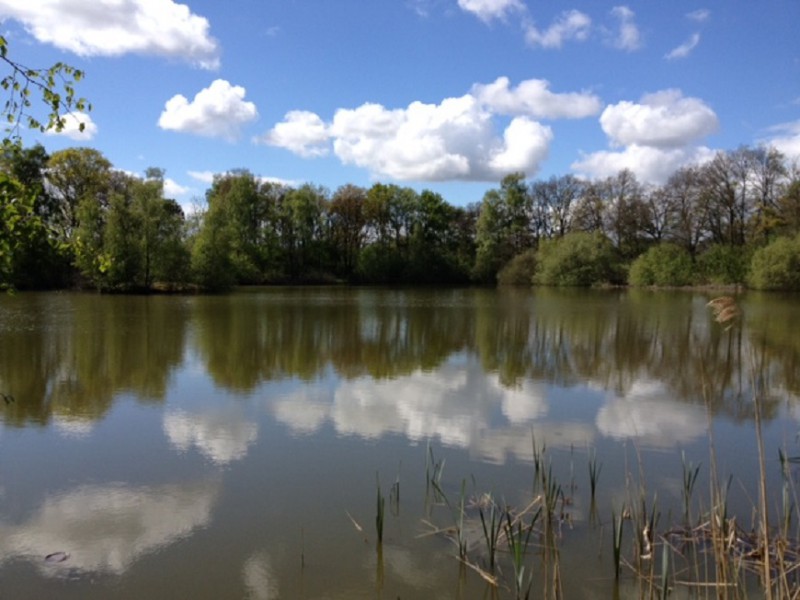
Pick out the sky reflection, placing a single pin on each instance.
(106, 528)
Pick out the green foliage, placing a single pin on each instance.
(519, 270)
(88, 244)
(381, 263)
(16, 212)
(503, 228)
(75, 175)
(664, 265)
(724, 264)
(121, 235)
(777, 266)
(577, 259)
(36, 259)
(346, 214)
(55, 87)
(212, 266)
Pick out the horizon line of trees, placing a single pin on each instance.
(71, 220)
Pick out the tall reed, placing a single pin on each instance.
(380, 510)
(518, 536)
(492, 525)
(594, 472)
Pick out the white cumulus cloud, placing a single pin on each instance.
(173, 188)
(453, 140)
(486, 10)
(786, 139)
(526, 143)
(116, 27)
(650, 165)
(533, 98)
(302, 132)
(72, 127)
(570, 25)
(664, 119)
(459, 138)
(657, 135)
(216, 111)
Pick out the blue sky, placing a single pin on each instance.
(447, 95)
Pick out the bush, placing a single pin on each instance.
(776, 266)
(724, 264)
(519, 270)
(577, 259)
(664, 265)
(381, 263)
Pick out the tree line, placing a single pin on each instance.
(71, 219)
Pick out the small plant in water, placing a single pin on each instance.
(492, 525)
(594, 472)
(518, 536)
(690, 473)
(616, 530)
(380, 510)
(433, 477)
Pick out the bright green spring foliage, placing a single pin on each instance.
(777, 266)
(578, 259)
(55, 87)
(662, 265)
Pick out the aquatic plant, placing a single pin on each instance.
(380, 510)
(594, 473)
(492, 526)
(690, 473)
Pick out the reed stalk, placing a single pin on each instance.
(690, 473)
(492, 526)
(518, 536)
(594, 472)
(380, 511)
(616, 533)
(394, 496)
(762, 488)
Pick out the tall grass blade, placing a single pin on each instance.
(380, 511)
(491, 530)
(690, 473)
(616, 532)
(594, 472)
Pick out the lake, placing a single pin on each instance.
(243, 446)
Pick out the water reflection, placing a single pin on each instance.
(105, 528)
(394, 355)
(259, 577)
(457, 405)
(67, 356)
(221, 434)
(648, 412)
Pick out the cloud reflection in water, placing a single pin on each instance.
(106, 528)
(221, 434)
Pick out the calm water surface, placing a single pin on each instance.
(228, 447)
